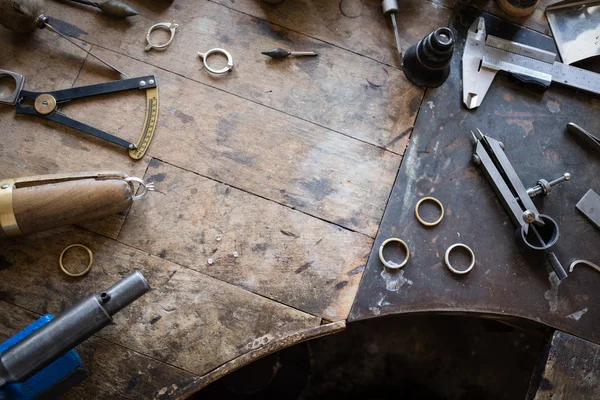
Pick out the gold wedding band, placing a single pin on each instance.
(421, 220)
(86, 270)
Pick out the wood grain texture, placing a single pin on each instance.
(356, 25)
(254, 148)
(340, 90)
(115, 372)
(42, 207)
(33, 146)
(187, 320)
(569, 370)
(191, 385)
(283, 254)
(536, 21)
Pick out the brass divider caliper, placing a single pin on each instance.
(45, 105)
(536, 232)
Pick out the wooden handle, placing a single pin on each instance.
(48, 206)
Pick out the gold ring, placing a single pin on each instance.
(436, 201)
(85, 271)
(391, 264)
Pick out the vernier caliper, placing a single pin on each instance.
(536, 232)
(485, 55)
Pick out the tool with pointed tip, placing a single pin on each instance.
(23, 16)
(113, 8)
(46, 105)
(281, 53)
(537, 232)
(485, 55)
(390, 7)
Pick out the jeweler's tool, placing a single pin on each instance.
(113, 8)
(53, 339)
(25, 15)
(537, 232)
(282, 53)
(390, 7)
(485, 55)
(590, 140)
(46, 106)
(43, 202)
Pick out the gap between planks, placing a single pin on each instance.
(110, 341)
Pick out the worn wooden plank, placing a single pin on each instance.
(188, 319)
(340, 90)
(189, 386)
(255, 148)
(115, 372)
(568, 370)
(283, 254)
(356, 25)
(32, 146)
(536, 21)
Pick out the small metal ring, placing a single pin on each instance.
(447, 259)
(86, 270)
(390, 264)
(170, 26)
(436, 201)
(228, 67)
(148, 187)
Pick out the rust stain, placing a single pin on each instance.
(508, 97)
(525, 124)
(435, 239)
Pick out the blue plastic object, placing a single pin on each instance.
(58, 376)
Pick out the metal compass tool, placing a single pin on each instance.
(485, 55)
(45, 105)
(535, 231)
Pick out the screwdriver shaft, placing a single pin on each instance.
(396, 33)
(84, 49)
(303, 53)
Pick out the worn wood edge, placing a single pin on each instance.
(540, 367)
(183, 390)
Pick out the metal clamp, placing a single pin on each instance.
(436, 201)
(228, 67)
(169, 26)
(147, 187)
(391, 264)
(19, 79)
(447, 259)
(75, 274)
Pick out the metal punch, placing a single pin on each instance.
(169, 26)
(535, 231)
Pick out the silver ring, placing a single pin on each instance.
(447, 259)
(148, 187)
(391, 264)
(228, 67)
(169, 26)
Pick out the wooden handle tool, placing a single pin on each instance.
(44, 202)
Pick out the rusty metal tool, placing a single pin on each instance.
(535, 231)
(45, 105)
(24, 16)
(390, 7)
(278, 53)
(37, 203)
(113, 8)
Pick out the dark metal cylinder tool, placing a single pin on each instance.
(72, 327)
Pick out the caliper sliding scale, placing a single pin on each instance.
(46, 105)
(485, 55)
(535, 232)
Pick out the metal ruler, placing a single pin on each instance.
(485, 55)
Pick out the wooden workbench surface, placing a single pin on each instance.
(290, 162)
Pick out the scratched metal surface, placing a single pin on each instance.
(438, 162)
